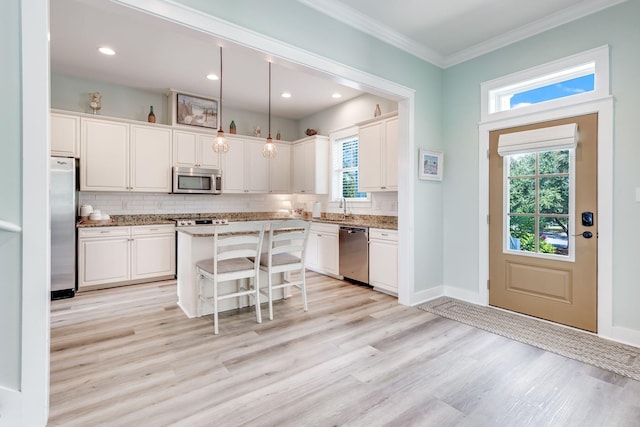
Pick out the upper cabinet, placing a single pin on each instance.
(280, 170)
(378, 155)
(244, 169)
(65, 135)
(310, 164)
(193, 149)
(118, 156)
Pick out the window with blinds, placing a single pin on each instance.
(345, 168)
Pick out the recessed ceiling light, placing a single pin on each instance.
(106, 50)
(286, 95)
(336, 95)
(212, 76)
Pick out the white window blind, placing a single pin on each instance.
(563, 137)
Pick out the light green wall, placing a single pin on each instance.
(72, 94)
(11, 205)
(617, 27)
(298, 25)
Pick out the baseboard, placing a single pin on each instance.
(418, 298)
(625, 336)
(463, 295)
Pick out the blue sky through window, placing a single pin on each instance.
(554, 91)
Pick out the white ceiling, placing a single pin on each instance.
(158, 55)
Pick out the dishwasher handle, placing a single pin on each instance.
(352, 230)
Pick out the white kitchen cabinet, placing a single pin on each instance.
(152, 251)
(244, 169)
(105, 155)
(125, 255)
(150, 157)
(65, 135)
(323, 249)
(383, 260)
(310, 165)
(103, 256)
(118, 156)
(280, 170)
(192, 149)
(378, 155)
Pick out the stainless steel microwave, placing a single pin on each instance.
(197, 180)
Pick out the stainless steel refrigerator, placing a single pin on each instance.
(62, 196)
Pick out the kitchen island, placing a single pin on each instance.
(194, 245)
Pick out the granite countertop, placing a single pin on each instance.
(372, 221)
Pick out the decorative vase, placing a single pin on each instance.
(377, 112)
(278, 136)
(232, 127)
(151, 118)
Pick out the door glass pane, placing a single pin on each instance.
(554, 195)
(522, 195)
(522, 233)
(554, 235)
(552, 162)
(522, 164)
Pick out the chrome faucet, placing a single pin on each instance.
(343, 205)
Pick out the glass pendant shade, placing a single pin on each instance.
(269, 150)
(220, 143)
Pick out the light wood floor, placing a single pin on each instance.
(129, 357)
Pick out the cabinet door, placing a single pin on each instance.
(233, 167)
(369, 157)
(311, 260)
(208, 157)
(309, 168)
(153, 256)
(280, 170)
(298, 167)
(391, 154)
(65, 135)
(256, 168)
(105, 156)
(185, 149)
(383, 265)
(328, 255)
(102, 261)
(150, 159)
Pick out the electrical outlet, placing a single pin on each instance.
(159, 204)
(125, 205)
(394, 206)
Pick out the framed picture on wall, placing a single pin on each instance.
(430, 165)
(195, 111)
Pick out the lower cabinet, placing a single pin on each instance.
(110, 255)
(383, 260)
(322, 249)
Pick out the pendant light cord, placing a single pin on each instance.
(220, 122)
(269, 99)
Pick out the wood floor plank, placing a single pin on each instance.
(129, 356)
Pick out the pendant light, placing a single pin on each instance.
(269, 150)
(220, 143)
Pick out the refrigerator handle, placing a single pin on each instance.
(9, 226)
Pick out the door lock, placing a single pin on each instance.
(587, 219)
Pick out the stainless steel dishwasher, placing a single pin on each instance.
(354, 253)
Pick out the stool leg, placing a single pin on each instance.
(270, 290)
(215, 307)
(303, 288)
(257, 298)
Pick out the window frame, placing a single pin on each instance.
(571, 214)
(336, 139)
(594, 61)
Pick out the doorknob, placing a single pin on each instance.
(587, 234)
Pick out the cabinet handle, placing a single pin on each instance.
(383, 188)
(105, 232)
(384, 234)
(153, 229)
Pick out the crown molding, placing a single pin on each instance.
(355, 19)
(557, 19)
(340, 12)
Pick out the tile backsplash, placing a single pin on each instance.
(160, 203)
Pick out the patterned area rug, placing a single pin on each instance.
(582, 346)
